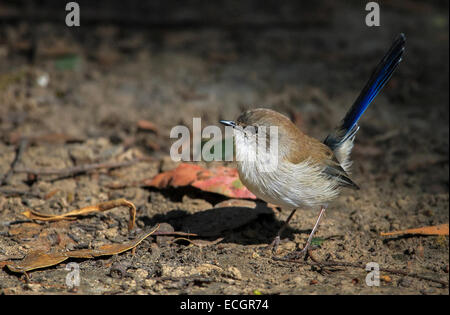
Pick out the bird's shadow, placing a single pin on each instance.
(240, 225)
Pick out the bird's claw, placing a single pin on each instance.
(274, 245)
(297, 255)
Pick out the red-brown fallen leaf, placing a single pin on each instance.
(147, 126)
(25, 230)
(184, 175)
(36, 260)
(441, 229)
(222, 180)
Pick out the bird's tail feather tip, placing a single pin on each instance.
(380, 76)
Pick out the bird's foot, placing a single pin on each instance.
(298, 254)
(274, 245)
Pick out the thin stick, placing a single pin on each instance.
(162, 233)
(333, 263)
(19, 152)
(18, 192)
(103, 206)
(76, 170)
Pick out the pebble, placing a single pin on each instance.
(405, 282)
(234, 272)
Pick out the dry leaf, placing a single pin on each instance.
(37, 260)
(31, 214)
(25, 230)
(40, 259)
(111, 249)
(221, 180)
(183, 175)
(147, 126)
(441, 229)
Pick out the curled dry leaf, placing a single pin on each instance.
(222, 180)
(40, 259)
(36, 260)
(441, 229)
(34, 215)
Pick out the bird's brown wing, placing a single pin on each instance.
(317, 152)
(335, 170)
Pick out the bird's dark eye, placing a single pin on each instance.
(254, 130)
(251, 130)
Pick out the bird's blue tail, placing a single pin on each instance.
(377, 81)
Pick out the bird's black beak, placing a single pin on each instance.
(228, 123)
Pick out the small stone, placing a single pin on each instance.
(405, 282)
(186, 271)
(149, 283)
(208, 268)
(234, 273)
(34, 287)
(288, 246)
(111, 233)
(140, 273)
(131, 283)
(402, 204)
(299, 281)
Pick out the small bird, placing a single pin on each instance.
(308, 173)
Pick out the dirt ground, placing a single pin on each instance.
(77, 96)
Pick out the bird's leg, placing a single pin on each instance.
(299, 254)
(276, 241)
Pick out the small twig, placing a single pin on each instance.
(19, 152)
(9, 223)
(161, 233)
(333, 263)
(122, 185)
(192, 278)
(18, 192)
(199, 243)
(76, 170)
(314, 259)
